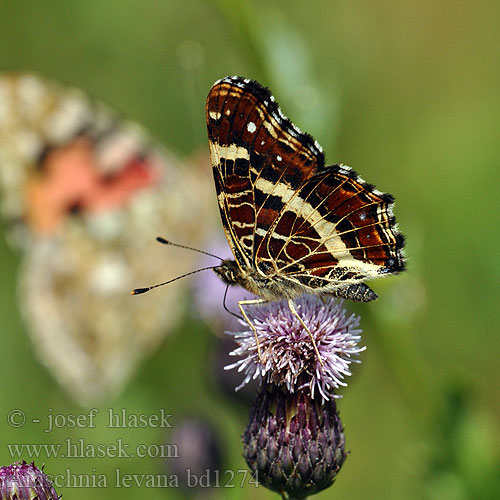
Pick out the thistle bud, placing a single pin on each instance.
(294, 444)
(23, 481)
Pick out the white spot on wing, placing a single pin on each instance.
(251, 127)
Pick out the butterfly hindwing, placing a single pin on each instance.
(339, 232)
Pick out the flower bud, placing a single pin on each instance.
(23, 481)
(294, 444)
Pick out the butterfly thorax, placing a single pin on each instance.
(269, 287)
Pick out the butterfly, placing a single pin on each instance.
(294, 225)
(81, 190)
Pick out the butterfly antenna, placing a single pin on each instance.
(166, 242)
(225, 306)
(138, 291)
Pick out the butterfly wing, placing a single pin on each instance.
(337, 231)
(84, 194)
(256, 153)
(284, 212)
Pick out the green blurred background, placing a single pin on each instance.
(405, 92)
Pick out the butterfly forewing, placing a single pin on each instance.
(255, 151)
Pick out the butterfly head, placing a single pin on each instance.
(229, 272)
(265, 287)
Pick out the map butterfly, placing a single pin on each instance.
(294, 224)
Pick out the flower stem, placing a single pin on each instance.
(287, 496)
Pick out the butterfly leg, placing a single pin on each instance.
(291, 305)
(242, 303)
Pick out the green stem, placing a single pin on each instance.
(287, 496)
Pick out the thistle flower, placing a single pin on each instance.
(293, 444)
(23, 481)
(287, 350)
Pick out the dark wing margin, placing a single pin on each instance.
(256, 152)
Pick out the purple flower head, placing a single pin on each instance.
(288, 353)
(23, 481)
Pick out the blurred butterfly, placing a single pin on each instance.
(82, 191)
